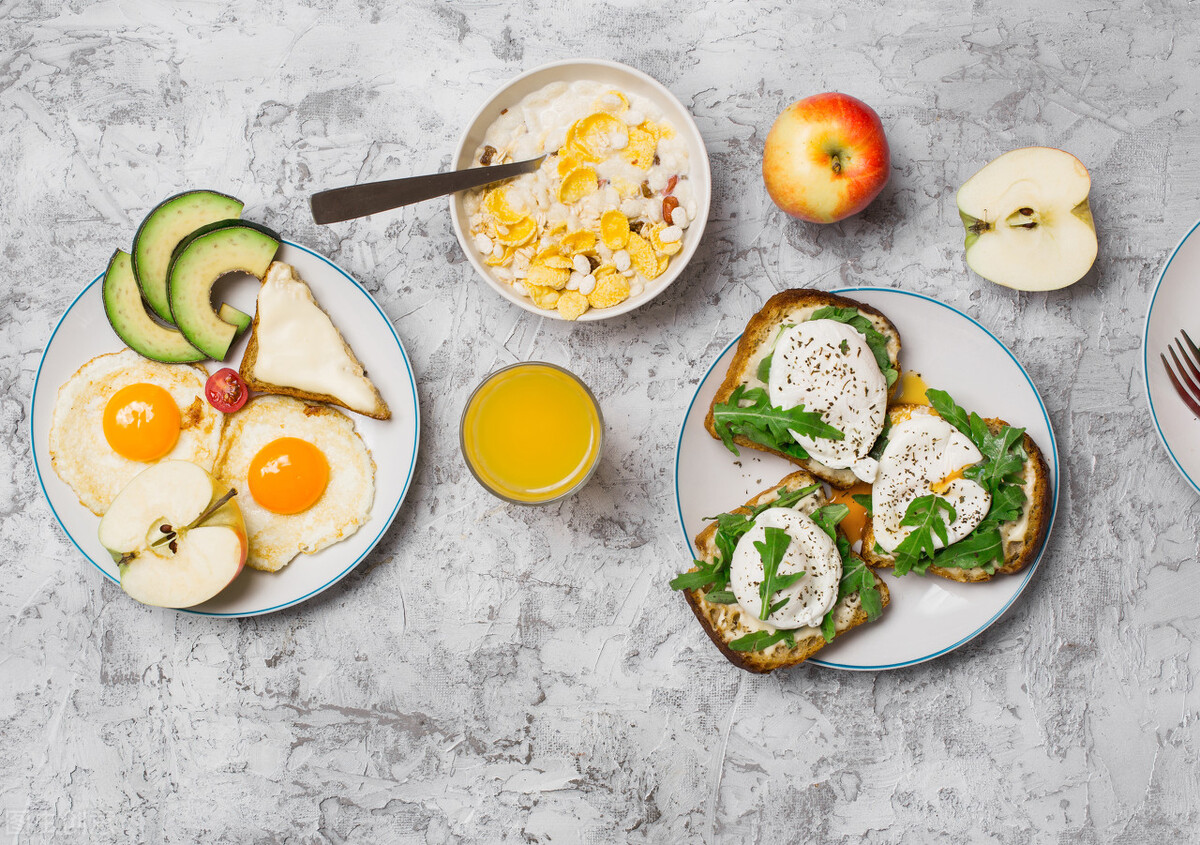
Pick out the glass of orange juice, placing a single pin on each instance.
(531, 433)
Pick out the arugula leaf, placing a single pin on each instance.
(856, 578)
(763, 423)
(761, 640)
(948, 410)
(720, 597)
(864, 501)
(764, 366)
(771, 549)
(875, 340)
(706, 573)
(923, 514)
(882, 440)
(983, 547)
(827, 518)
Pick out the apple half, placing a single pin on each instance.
(176, 534)
(1028, 222)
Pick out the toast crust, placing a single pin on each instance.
(723, 623)
(795, 306)
(246, 370)
(1020, 548)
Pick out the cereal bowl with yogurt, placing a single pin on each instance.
(615, 210)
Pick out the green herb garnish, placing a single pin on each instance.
(762, 640)
(916, 551)
(856, 575)
(767, 425)
(771, 549)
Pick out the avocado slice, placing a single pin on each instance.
(200, 259)
(126, 312)
(164, 227)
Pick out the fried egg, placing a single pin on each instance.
(121, 412)
(304, 476)
(925, 455)
(810, 550)
(827, 367)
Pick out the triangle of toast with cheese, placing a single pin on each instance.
(295, 349)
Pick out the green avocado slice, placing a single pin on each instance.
(126, 311)
(200, 259)
(164, 227)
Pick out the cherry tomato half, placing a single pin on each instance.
(226, 391)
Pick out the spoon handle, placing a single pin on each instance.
(338, 204)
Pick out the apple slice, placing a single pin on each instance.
(177, 535)
(1028, 222)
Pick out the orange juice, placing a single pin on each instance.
(531, 433)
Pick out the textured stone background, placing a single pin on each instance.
(501, 674)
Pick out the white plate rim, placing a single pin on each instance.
(339, 576)
(1029, 570)
(1146, 359)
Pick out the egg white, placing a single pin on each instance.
(810, 550)
(275, 539)
(920, 452)
(827, 367)
(79, 451)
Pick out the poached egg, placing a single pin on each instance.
(926, 455)
(827, 367)
(810, 550)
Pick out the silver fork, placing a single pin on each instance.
(1191, 355)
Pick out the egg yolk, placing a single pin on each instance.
(854, 523)
(288, 475)
(141, 422)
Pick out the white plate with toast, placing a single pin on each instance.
(84, 332)
(928, 616)
(1174, 306)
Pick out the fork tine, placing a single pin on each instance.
(1191, 361)
(1191, 345)
(1183, 394)
(1192, 387)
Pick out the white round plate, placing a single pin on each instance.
(928, 616)
(1175, 305)
(626, 79)
(84, 332)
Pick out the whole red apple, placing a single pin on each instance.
(826, 158)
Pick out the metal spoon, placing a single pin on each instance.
(338, 204)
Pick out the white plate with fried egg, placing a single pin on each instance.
(83, 333)
(928, 616)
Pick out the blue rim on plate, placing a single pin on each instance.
(1029, 570)
(1146, 359)
(338, 577)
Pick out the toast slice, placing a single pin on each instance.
(295, 350)
(724, 623)
(1022, 538)
(793, 306)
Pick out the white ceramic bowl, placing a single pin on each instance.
(626, 79)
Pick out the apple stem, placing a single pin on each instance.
(172, 534)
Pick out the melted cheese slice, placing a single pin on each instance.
(299, 347)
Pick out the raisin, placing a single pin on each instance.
(488, 154)
(646, 192)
